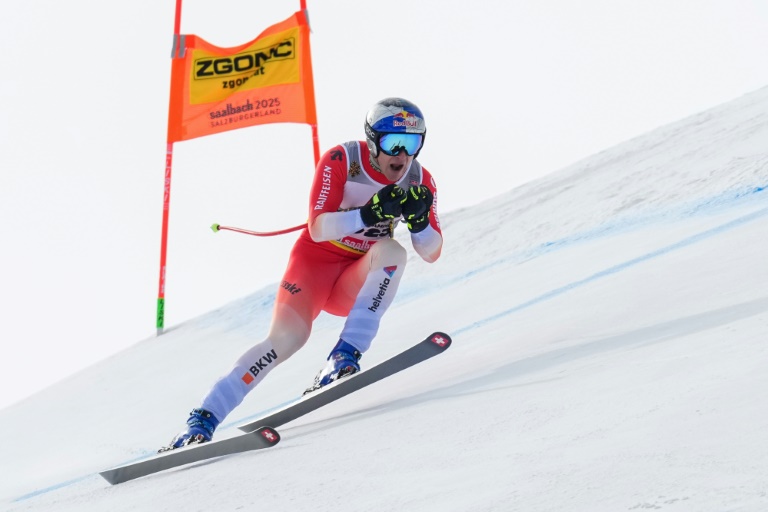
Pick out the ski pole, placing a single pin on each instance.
(218, 227)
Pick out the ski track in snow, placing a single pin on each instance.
(618, 268)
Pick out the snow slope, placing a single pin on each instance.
(609, 324)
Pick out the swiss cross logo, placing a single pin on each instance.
(439, 340)
(269, 435)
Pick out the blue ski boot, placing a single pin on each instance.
(342, 361)
(200, 427)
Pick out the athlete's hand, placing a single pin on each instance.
(416, 208)
(386, 204)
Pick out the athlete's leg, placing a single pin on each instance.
(304, 290)
(288, 332)
(365, 291)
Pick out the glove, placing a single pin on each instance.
(416, 208)
(386, 204)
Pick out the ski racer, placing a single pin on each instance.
(346, 261)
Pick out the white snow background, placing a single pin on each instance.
(610, 328)
(511, 92)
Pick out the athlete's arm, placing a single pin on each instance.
(428, 243)
(335, 225)
(325, 221)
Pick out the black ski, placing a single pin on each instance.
(258, 436)
(262, 437)
(434, 344)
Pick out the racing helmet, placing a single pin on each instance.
(393, 125)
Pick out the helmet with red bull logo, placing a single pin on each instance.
(393, 125)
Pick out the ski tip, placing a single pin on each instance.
(442, 340)
(215, 227)
(269, 434)
(108, 475)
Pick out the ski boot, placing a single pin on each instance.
(342, 361)
(200, 427)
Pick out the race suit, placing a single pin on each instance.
(337, 265)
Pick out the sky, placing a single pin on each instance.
(608, 354)
(511, 91)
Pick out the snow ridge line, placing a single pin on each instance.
(618, 268)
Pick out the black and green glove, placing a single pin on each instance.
(416, 208)
(386, 204)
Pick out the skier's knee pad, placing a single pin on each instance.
(386, 253)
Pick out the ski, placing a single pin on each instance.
(435, 343)
(262, 437)
(258, 436)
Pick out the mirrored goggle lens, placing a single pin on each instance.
(394, 143)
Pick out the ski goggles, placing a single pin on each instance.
(393, 143)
